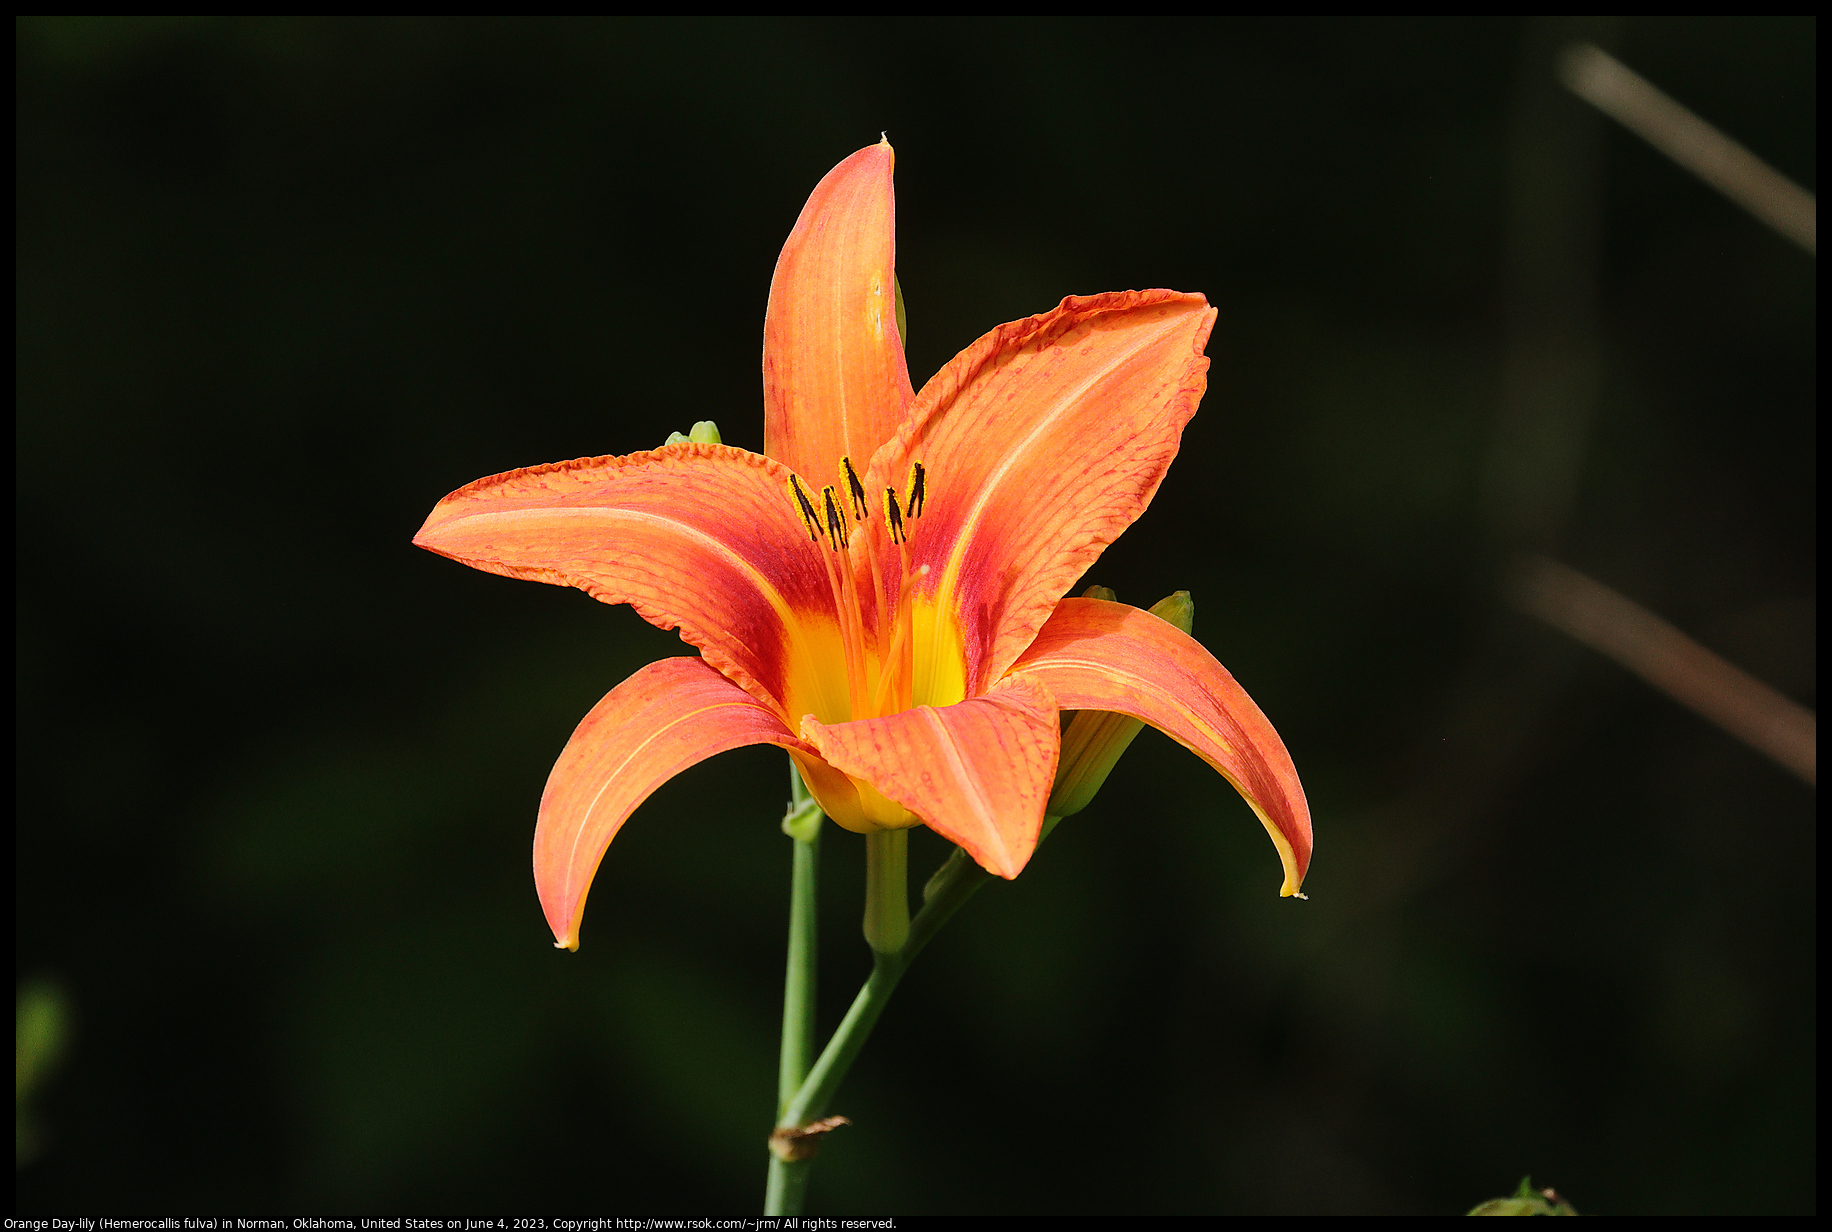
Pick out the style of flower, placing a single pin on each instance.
(880, 592)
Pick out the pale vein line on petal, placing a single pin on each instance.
(1278, 836)
(1009, 457)
(645, 742)
(966, 775)
(1143, 685)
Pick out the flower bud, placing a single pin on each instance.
(1527, 1201)
(1092, 745)
(1178, 609)
(803, 820)
(706, 432)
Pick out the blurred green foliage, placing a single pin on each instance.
(282, 284)
(40, 1039)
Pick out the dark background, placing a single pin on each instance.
(283, 284)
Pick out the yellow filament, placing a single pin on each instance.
(894, 667)
(850, 618)
(904, 651)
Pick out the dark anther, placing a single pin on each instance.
(836, 521)
(918, 489)
(805, 507)
(855, 489)
(894, 516)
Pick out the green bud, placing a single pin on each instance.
(803, 820)
(1526, 1201)
(903, 327)
(706, 432)
(1179, 609)
(1092, 745)
(950, 869)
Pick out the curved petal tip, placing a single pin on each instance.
(1097, 655)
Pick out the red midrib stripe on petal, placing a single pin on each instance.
(792, 625)
(1043, 441)
(972, 518)
(700, 537)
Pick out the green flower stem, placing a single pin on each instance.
(953, 884)
(788, 1179)
(798, 983)
(887, 890)
(843, 1049)
(886, 868)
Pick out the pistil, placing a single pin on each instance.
(895, 666)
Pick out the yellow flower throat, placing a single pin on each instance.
(895, 652)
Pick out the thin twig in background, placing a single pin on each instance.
(1670, 661)
(1622, 94)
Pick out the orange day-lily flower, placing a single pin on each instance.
(880, 592)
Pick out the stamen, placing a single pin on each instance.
(836, 521)
(855, 489)
(897, 666)
(884, 637)
(894, 516)
(851, 626)
(845, 607)
(805, 507)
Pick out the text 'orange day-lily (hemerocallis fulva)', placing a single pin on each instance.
(880, 592)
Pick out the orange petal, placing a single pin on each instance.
(834, 380)
(977, 772)
(1042, 442)
(700, 537)
(1096, 655)
(665, 718)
